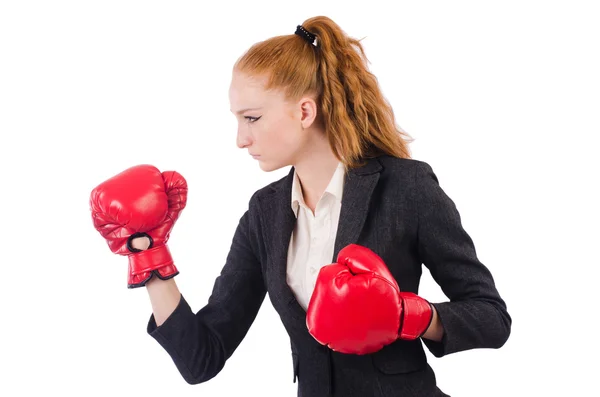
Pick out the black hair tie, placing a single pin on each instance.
(306, 35)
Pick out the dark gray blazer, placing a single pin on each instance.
(393, 206)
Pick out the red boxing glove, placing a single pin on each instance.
(357, 306)
(140, 202)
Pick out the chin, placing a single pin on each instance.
(270, 166)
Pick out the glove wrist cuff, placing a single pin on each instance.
(417, 314)
(142, 265)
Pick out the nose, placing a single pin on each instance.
(243, 138)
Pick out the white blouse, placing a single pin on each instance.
(312, 243)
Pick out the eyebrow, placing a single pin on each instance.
(245, 110)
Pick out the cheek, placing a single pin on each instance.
(286, 134)
(271, 134)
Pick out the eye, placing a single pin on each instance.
(251, 119)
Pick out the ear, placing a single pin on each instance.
(308, 109)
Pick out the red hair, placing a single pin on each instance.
(358, 120)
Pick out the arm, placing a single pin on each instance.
(200, 343)
(476, 316)
(164, 298)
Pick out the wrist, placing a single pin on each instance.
(435, 331)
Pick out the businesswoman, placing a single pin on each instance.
(339, 243)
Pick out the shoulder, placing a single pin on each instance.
(406, 169)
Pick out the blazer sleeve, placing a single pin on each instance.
(200, 343)
(476, 315)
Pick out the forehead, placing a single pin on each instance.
(249, 91)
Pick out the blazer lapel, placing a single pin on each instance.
(279, 223)
(358, 188)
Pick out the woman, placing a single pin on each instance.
(353, 195)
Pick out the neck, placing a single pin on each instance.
(315, 168)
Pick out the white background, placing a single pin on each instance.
(502, 99)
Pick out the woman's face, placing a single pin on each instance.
(269, 127)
